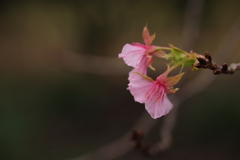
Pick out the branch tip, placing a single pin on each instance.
(207, 63)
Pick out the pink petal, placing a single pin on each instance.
(132, 54)
(159, 108)
(138, 88)
(170, 81)
(146, 36)
(133, 75)
(142, 69)
(163, 76)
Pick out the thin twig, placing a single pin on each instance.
(207, 63)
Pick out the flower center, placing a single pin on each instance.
(155, 92)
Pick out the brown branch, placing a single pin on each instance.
(207, 63)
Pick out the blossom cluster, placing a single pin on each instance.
(143, 88)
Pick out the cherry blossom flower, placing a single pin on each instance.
(154, 93)
(138, 55)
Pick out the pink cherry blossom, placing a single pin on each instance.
(154, 93)
(138, 55)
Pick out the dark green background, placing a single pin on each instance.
(48, 112)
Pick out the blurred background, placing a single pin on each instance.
(63, 89)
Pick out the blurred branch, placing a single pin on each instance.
(230, 43)
(191, 27)
(120, 146)
(81, 63)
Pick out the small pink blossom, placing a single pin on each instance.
(138, 55)
(154, 93)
